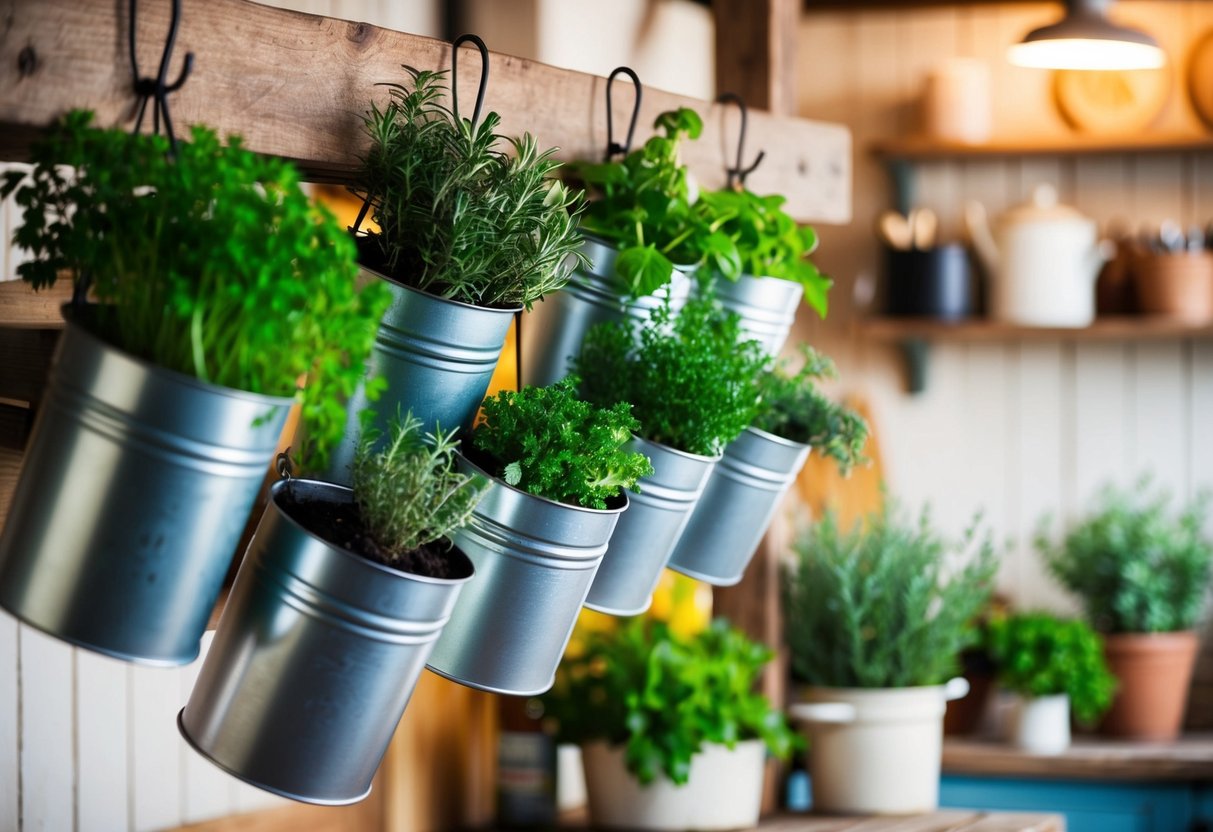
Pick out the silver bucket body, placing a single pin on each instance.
(650, 529)
(136, 486)
(314, 660)
(552, 332)
(437, 356)
(767, 306)
(737, 506)
(534, 560)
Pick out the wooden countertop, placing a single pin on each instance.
(948, 820)
(1189, 758)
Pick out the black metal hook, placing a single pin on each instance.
(484, 76)
(157, 89)
(613, 147)
(737, 175)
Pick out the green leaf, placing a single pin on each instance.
(643, 269)
(512, 473)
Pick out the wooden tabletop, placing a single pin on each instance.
(948, 820)
(1189, 758)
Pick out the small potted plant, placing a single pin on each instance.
(332, 616)
(467, 235)
(759, 466)
(770, 271)
(642, 237)
(1055, 666)
(874, 619)
(691, 382)
(559, 467)
(216, 284)
(673, 734)
(1141, 573)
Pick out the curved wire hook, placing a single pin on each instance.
(157, 89)
(613, 147)
(484, 75)
(737, 175)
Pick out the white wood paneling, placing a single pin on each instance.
(155, 748)
(48, 785)
(10, 723)
(102, 750)
(206, 790)
(1100, 426)
(1159, 413)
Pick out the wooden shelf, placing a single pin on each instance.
(926, 149)
(1189, 758)
(23, 308)
(943, 820)
(1123, 328)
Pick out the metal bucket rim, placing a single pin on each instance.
(670, 449)
(688, 269)
(494, 689)
(623, 494)
(281, 485)
(502, 310)
(776, 439)
(83, 331)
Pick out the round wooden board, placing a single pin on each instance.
(1111, 102)
(1200, 78)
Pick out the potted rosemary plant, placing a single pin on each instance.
(217, 284)
(1141, 573)
(332, 617)
(559, 467)
(467, 234)
(690, 380)
(875, 618)
(759, 466)
(1055, 666)
(673, 734)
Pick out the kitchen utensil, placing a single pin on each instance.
(1171, 235)
(923, 227)
(895, 230)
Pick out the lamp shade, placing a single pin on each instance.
(1086, 39)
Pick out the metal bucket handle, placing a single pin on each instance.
(839, 713)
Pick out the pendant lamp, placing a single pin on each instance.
(1086, 39)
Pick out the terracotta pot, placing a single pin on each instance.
(1153, 670)
(1175, 285)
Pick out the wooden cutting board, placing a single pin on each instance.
(1111, 102)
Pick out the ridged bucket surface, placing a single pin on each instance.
(649, 531)
(314, 660)
(136, 486)
(553, 330)
(534, 560)
(767, 306)
(437, 356)
(736, 506)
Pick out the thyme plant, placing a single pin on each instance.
(886, 604)
(458, 217)
(214, 264)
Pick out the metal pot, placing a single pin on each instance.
(767, 306)
(437, 356)
(136, 486)
(552, 332)
(650, 529)
(736, 506)
(534, 560)
(315, 657)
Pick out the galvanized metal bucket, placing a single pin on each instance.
(437, 356)
(767, 306)
(136, 486)
(650, 529)
(552, 332)
(314, 660)
(534, 560)
(737, 506)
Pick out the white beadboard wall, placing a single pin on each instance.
(1015, 429)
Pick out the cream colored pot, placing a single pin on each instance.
(1041, 724)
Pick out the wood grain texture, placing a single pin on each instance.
(366, 816)
(296, 85)
(756, 52)
(948, 820)
(23, 308)
(1119, 329)
(1089, 758)
(916, 148)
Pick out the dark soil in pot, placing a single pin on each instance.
(341, 525)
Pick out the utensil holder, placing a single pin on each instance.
(1178, 285)
(931, 283)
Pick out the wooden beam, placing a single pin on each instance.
(756, 52)
(296, 85)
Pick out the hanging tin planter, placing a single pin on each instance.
(136, 485)
(315, 658)
(732, 515)
(649, 531)
(767, 306)
(437, 357)
(535, 560)
(552, 332)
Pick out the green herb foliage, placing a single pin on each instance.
(458, 217)
(549, 442)
(690, 379)
(888, 605)
(214, 264)
(1137, 567)
(409, 493)
(768, 242)
(1038, 654)
(663, 697)
(792, 407)
(643, 205)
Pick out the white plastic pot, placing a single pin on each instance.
(724, 790)
(1041, 724)
(876, 751)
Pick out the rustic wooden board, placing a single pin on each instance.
(296, 85)
(1189, 758)
(947, 820)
